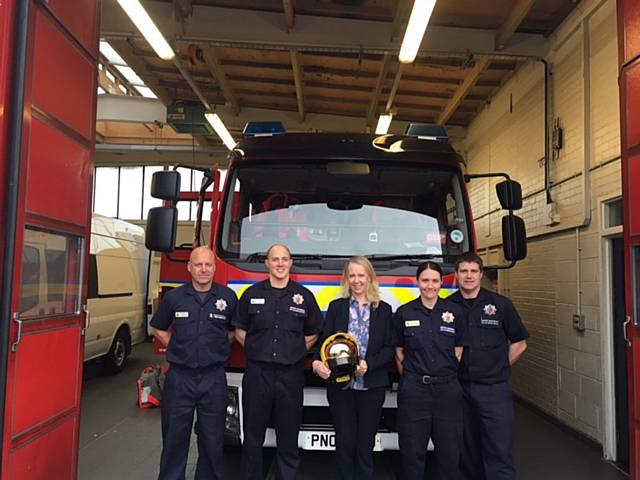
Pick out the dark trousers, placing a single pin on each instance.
(201, 390)
(488, 432)
(430, 411)
(272, 394)
(356, 415)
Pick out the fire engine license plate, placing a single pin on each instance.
(327, 441)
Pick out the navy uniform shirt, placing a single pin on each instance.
(200, 327)
(493, 323)
(429, 337)
(276, 322)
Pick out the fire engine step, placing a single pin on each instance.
(118, 440)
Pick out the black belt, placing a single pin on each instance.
(429, 380)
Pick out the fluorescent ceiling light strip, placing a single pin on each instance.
(148, 29)
(216, 122)
(384, 121)
(420, 15)
(110, 54)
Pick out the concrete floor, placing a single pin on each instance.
(118, 440)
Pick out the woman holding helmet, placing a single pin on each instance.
(428, 334)
(356, 405)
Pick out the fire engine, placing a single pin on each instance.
(397, 199)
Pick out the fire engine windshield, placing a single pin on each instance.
(322, 209)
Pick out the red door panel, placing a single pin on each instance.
(44, 371)
(80, 17)
(633, 163)
(629, 51)
(631, 81)
(64, 78)
(49, 360)
(59, 160)
(628, 36)
(45, 458)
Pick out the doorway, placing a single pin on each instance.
(619, 352)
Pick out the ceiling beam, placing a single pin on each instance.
(183, 9)
(400, 18)
(382, 76)
(462, 91)
(262, 29)
(125, 50)
(297, 78)
(519, 10)
(394, 88)
(289, 14)
(211, 60)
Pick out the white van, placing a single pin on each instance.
(117, 286)
(116, 298)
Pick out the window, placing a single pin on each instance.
(125, 192)
(50, 280)
(613, 213)
(130, 193)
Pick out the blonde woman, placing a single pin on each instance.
(356, 408)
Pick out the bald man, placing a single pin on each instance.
(277, 321)
(194, 323)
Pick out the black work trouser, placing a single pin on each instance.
(356, 415)
(271, 393)
(489, 425)
(201, 390)
(430, 411)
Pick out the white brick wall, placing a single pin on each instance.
(561, 372)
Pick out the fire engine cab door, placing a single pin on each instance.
(42, 370)
(629, 55)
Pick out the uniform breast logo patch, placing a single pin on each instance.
(448, 317)
(490, 309)
(297, 299)
(221, 304)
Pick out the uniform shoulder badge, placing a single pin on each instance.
(490, 309)
(448, 317)
(297, 299)
(221, 304)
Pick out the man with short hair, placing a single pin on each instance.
(495, 340)
(194, 323)
(277, 322)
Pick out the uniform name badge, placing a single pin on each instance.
(182, 314)
(257, 301)
(412, 323)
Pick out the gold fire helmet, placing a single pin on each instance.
(340, 352)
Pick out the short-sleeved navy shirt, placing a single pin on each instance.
(200, 327)
(428, 337)
(493, 323)
(276, 322)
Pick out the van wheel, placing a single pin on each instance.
(116, 358)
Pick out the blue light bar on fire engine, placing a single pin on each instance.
(263, 129)
(426, 131)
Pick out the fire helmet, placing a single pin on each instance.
(340, 352)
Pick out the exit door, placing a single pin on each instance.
(48, 61)
(629, 58)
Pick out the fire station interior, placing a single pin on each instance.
(529, 88)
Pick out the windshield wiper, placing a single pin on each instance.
(409, 257)
(259, 256)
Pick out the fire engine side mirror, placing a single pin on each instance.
(509, 194)
(514, 238)
(160, 235)
(166, 185)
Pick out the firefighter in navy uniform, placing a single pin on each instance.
(496, 338)
(428, 333)
(277, 322)
(194, 323)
